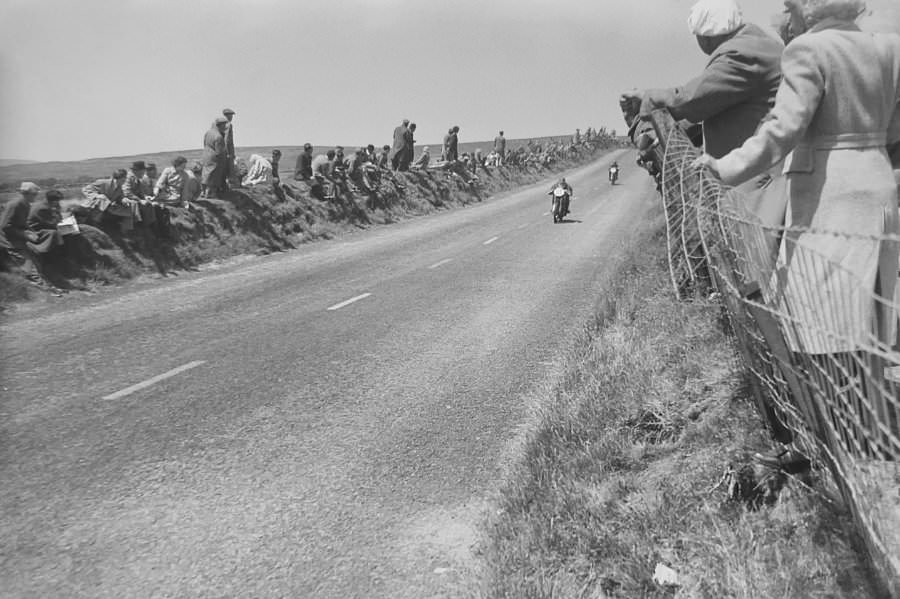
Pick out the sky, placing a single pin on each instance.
(95, 78)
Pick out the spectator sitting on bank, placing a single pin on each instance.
(148, 181)
(105, 197)
(303, 169)
(192, 186)
(493, 159)
(260, 172)
(323, 183)
(44, 218)
(20, 247)
(477, 160)
(169, 187)
(422, 161)
(339, 166)
(133, 190)
(384, 157)
(371, 157)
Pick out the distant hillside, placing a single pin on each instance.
(15, 161)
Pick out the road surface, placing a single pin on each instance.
(325, 422)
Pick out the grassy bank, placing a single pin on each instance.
(619, 469)
(255, 221)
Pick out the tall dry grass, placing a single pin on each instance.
(618, 470)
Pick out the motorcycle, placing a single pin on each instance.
(613, 174)
(560, 203)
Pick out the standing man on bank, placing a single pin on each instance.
(398, 152)
(500, 148)
(230, 173)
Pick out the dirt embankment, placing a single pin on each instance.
(254, 221)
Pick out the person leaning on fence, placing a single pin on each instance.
(836, 110)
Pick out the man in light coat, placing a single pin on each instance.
(398, 151)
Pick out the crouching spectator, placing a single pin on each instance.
(21, 247)
(323, 184)
(260, 172)
(422, 161)
(104, 197)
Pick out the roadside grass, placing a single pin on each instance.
(618, 470)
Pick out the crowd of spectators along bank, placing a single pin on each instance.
(142, 197)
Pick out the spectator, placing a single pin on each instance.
(576, 139)
(168, 192)
(445, 146)
(323, 185)
(423, 160)
(399, 149)
(230, 172)
(836, 108)
(215, 160)
(133, 191)
(303, 168)
(409, 145)
(105, 197)
(17, 240)
(192, 186)
(148, 181)
(371, 157)
(260, 172)
(500, 149)
(453, 144)
(477, 160)
(339, 164)
(384, 157)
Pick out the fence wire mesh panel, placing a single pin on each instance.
(816, 332)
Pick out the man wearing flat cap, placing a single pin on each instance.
(229, 145)
(133, 192)
(215, 159)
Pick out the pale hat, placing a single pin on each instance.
(29, 187)
(715, 17)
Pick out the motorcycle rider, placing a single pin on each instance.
(614, 171)
(565, 199)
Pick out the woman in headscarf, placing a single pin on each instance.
(837, 108)
(260, 171)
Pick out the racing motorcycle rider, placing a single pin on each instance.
(565, 199)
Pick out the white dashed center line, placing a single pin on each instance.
(154, 380)
(349, 301)
(522, 226)
(491, 240)
(545, 214)
(441, 263)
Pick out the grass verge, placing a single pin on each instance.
(617, 470)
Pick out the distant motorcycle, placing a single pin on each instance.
(560, 199)
(614, 173)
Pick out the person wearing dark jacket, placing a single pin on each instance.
(16, 238)
(303, 168)
(398, 151)
(215, 159)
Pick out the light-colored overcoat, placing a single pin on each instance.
(835, 110)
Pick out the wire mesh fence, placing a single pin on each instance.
(816, 334)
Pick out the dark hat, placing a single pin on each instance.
(228, 111)
(307, 146)
(54, 195)
(138, 165)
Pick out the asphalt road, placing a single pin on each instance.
(332, 420)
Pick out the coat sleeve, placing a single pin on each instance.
(798, 97)
(727, 80)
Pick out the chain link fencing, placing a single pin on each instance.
(816, 338)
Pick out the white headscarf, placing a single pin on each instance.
(715, 17)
